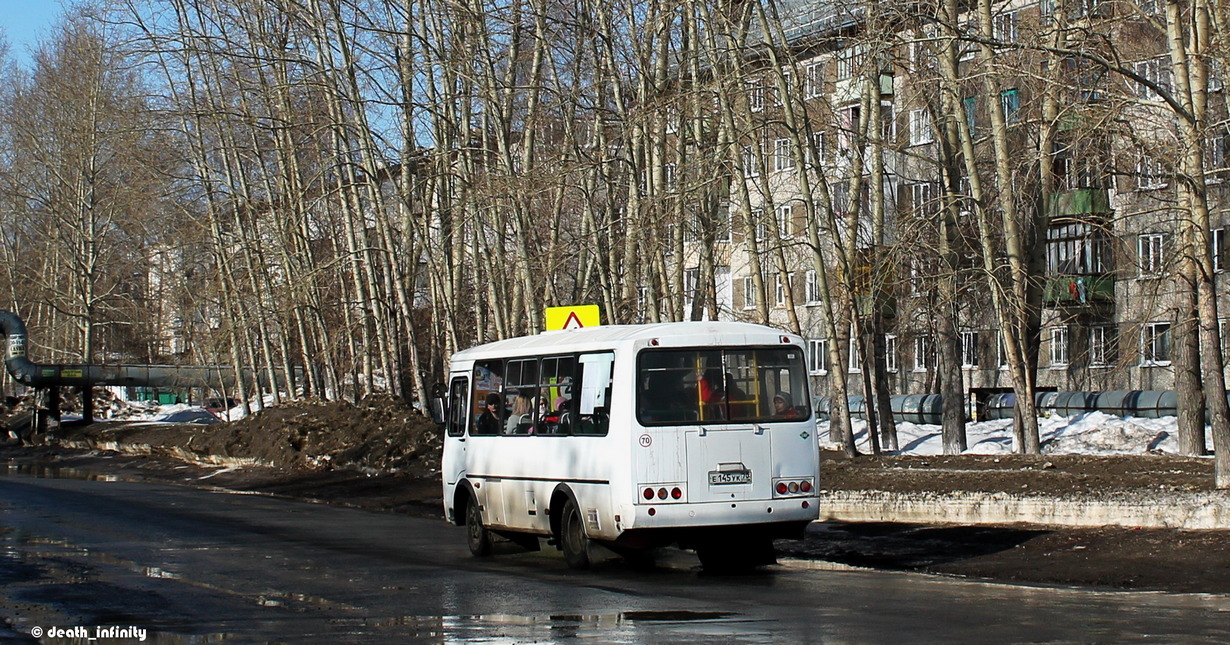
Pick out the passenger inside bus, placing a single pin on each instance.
(520, 422)
(489, 422)
(711, 389)
(783, 407)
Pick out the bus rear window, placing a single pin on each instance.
(732, 385)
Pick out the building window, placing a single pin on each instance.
(1150, 7)
(818, 356)
(725, 225)
(755, 95)
(855, 358)
(849, 60)
(1010, 100)
(749, 293)
(758, 224)
(779, 290)
(1215, 155)
(923, 358)
(668, 177)
(1005, 27)
(1155, 70)
(1102, 346)
(1087, 8)
(841, 198)
(751, 162)
(788, 83)
(924, 199)
(812, 287)
(1059, 346)
(813, 86)
(920, 127)
(817, 153)
(966, 46)
(890, 353)
(1001, 350)
(1150, 251)
(969, 349)
(888, 122)
(1150, 174)
(782, 157)
(848, 125)
(1155, 344)
(1077, 249)
(970, 105)
(1221, 333)
(785, 221)
(1217, 240)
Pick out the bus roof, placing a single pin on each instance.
(676, 334)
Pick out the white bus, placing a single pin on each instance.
(699, 434)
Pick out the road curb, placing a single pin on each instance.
(1146, 509)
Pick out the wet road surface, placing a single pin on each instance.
(189, 566)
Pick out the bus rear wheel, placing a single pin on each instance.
(477, 535)
(572, 539)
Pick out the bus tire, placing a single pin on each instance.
(477, 535)
(572, 539)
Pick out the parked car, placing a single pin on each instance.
(219, 405)
(199, 416)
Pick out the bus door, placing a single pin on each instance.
(453, 465)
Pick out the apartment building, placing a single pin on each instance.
(888, 185)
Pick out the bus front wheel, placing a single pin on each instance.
(572, 539)
(477, 535)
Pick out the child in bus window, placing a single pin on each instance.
(783, 407)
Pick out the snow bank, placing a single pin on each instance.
(1091, 433)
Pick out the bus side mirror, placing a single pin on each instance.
(439, 412)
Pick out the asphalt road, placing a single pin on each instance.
(186, 565)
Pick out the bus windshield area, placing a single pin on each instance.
(732, 385)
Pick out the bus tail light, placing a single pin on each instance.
(669, 492)
(788, 487)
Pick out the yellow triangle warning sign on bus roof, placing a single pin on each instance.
(574, 317)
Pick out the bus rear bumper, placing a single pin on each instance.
(791, 510)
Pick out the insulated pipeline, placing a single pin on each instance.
(46, 375)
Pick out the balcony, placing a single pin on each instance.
(1078, 290)
(864, 304)
(1082, 201)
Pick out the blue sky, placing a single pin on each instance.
(25, 22)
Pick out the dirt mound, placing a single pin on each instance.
(1061, 475)
(380, 433)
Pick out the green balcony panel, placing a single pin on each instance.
(1084, 201)
(1079, 289)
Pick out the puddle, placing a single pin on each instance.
(45, 471)
(675, 616)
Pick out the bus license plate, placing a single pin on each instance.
(730, 477)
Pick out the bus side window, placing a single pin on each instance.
(592, 393)
(458, 406)
(556, 392)
(488, 385)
